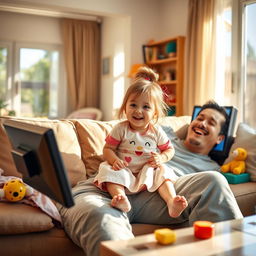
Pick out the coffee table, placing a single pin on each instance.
(232, 238)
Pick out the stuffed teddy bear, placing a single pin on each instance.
(15, 190)
(237, 165)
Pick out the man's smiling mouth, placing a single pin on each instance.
(200, 131)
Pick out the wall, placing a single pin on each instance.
(30, 28)
(126, 25)
(116, 48)
(125, 34)
(144, 14)
(174, 15)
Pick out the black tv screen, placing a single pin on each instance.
(37, 158)
(221, 150)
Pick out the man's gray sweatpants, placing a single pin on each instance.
(93, 220)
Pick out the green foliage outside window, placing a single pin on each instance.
(38, 94)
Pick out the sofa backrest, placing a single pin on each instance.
(80, 142)
(91, 135)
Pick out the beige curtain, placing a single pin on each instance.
(200, 60)
(82, 57)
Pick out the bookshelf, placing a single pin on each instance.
(166, 57)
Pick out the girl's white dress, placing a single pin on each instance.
(135, 148)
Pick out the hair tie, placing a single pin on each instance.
(147, 78)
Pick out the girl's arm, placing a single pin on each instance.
(167, 155)
(109, 154)
(157, 159)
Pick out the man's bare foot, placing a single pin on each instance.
(121, 202)
(176, 206)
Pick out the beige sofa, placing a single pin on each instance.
(25, 230)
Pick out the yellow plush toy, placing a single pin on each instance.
(237, 165)
(15, 190)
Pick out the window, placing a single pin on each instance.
(38, 82)
(224, 91)
(33, 86)
(248, 62)
(236, 56)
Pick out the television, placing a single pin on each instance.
(37, 158)
(220, 151)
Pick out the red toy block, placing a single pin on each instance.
(203, 229)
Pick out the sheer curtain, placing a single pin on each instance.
(82, 57)
(205, 68)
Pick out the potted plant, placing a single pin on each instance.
(3, 110)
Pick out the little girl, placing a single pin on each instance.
(136, 148)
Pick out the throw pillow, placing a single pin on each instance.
(91, 136)
(16, 218)
(6, 160)
(246, 138)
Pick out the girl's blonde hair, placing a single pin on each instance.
(146, 82)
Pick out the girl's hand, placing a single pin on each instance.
(119, 164)
(155, 160)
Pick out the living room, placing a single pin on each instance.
(124, 27)
(123, 31)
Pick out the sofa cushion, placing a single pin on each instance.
(16, 218)
(67, 142)
(92, 134)
(246, 138)
(6, 160)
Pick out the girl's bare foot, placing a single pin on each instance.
(176, 206)
(121, 202)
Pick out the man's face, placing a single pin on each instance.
(203, 132)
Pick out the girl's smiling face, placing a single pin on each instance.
(139, 110)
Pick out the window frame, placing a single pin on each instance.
(13, 60)
(9, 71)
(238, 53)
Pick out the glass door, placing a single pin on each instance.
(37, 82)
(249, 62)
(30, 76)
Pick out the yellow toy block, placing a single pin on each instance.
(165, 236)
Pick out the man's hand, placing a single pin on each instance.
(155, 160)
(119, 164)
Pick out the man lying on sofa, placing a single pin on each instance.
(209, 197)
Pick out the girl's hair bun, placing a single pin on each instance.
(147, 73)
